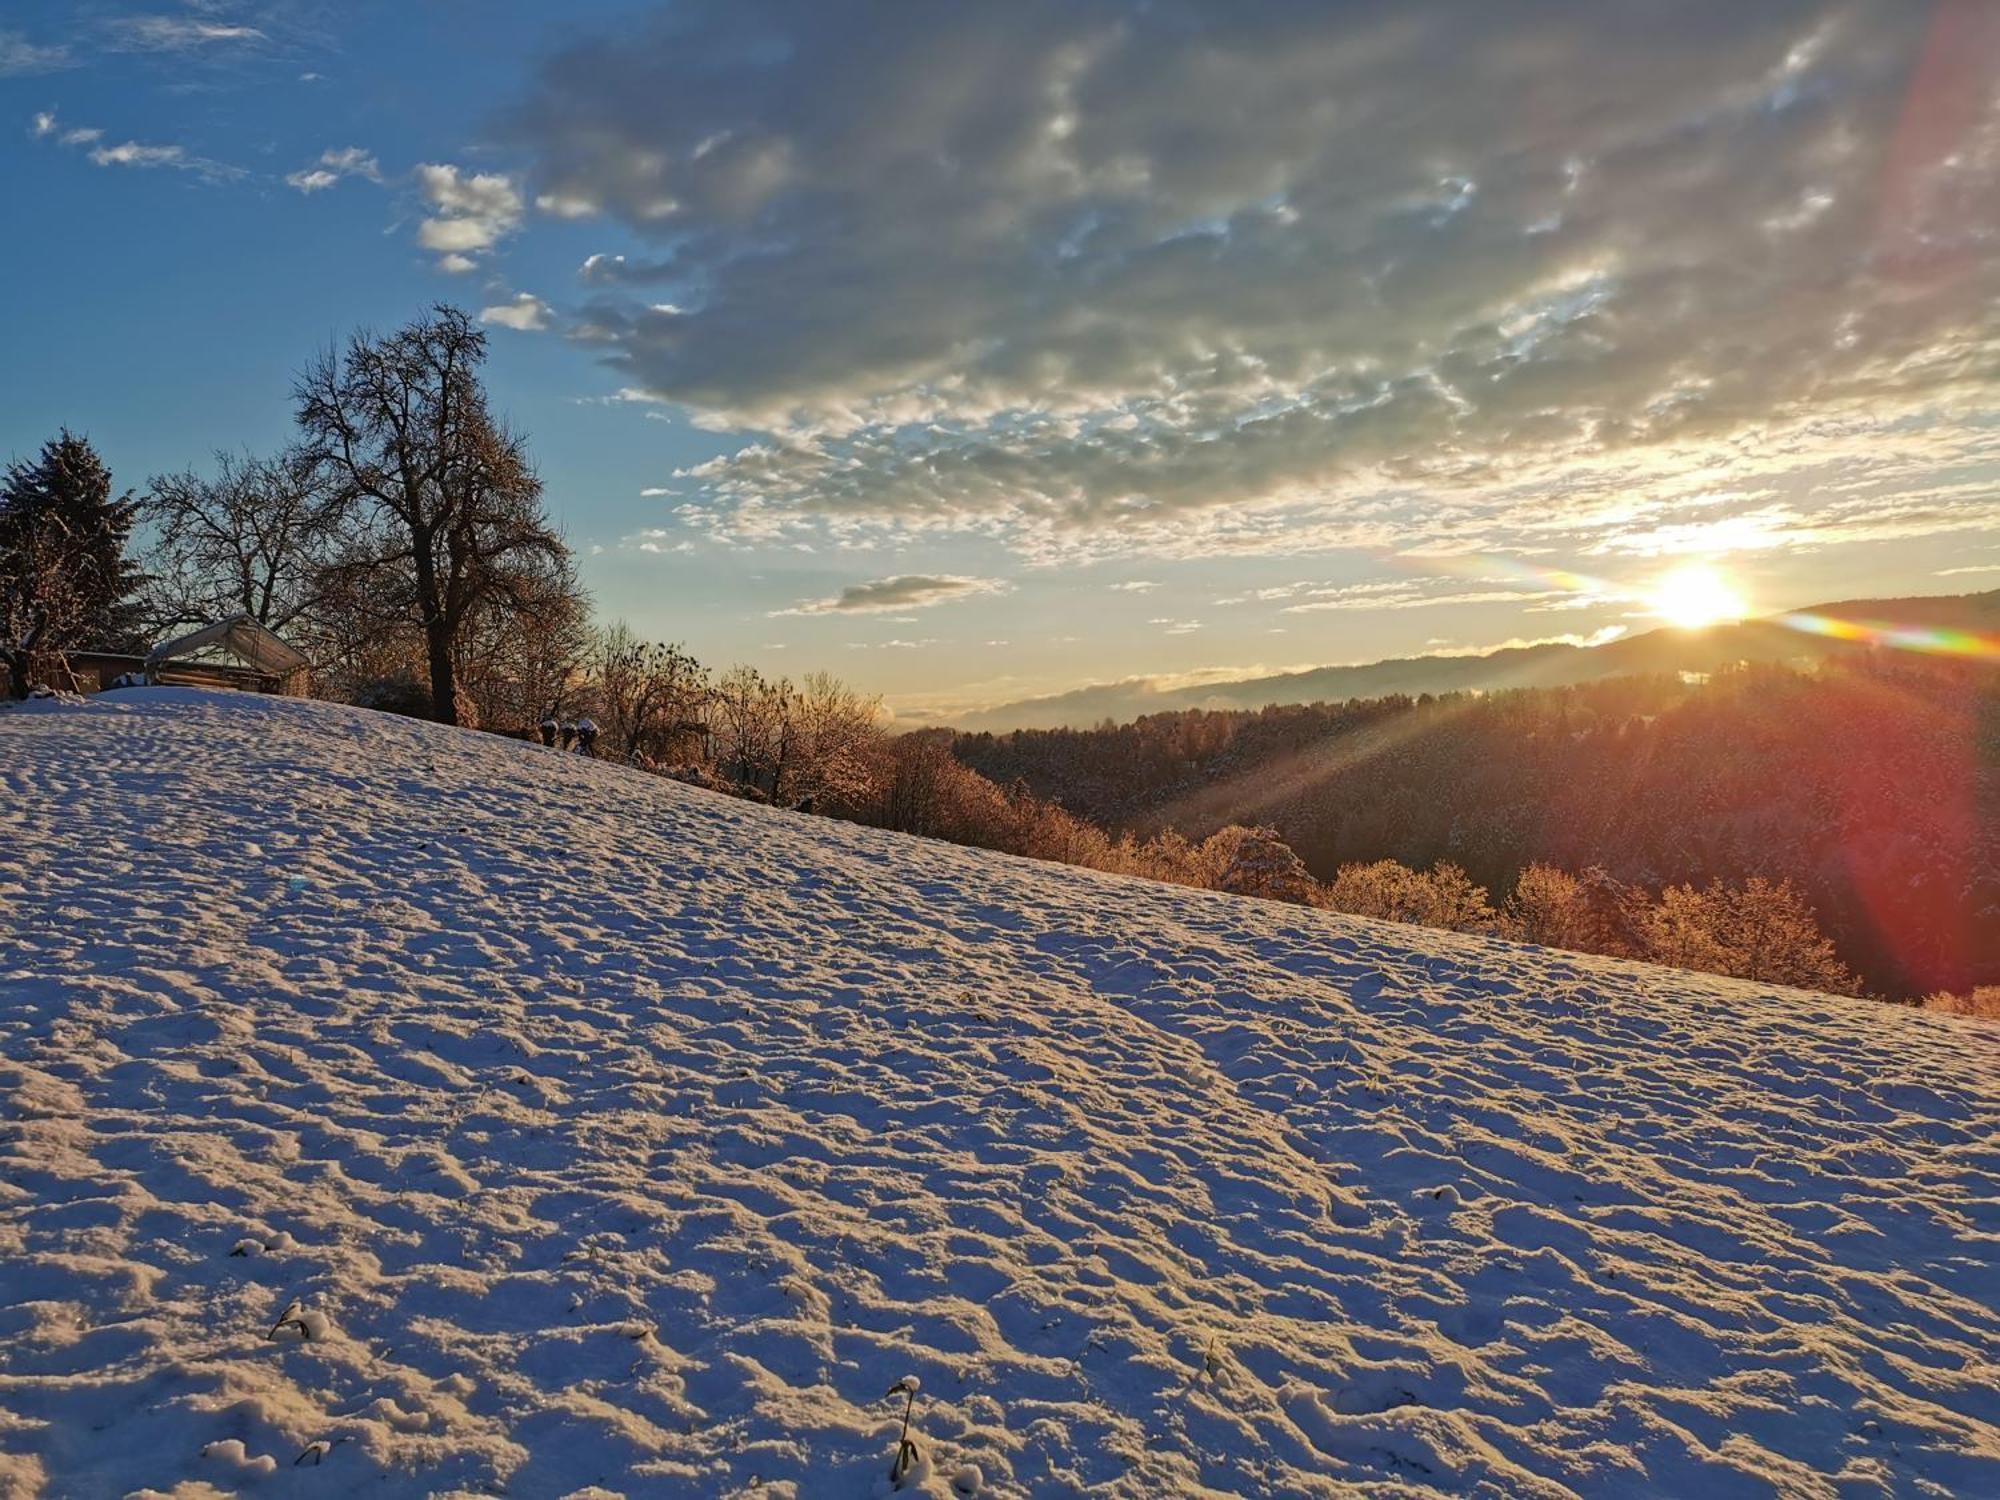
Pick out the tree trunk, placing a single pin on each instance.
(444, 675)
(437, 630)
(17, 675)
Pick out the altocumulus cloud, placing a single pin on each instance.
(892, 595)
(470, 212)
(332, 166)
(525, 313)
(1094, 276)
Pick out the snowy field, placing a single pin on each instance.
(396, 1111)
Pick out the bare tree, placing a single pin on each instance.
(753, 731)
(400, 427)
(46, 593)
(254, 538)
(915, 778)
(525, 648)
(836, 731)
(653, 698)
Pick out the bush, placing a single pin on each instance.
(1442, 897)
(1983, 1002)
(1589, 913)
(395, 695)
(1762, 930)
(1262, 864)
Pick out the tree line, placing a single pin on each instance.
(1869, 786)
(1836, 830)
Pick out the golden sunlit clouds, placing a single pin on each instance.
(1694, 595)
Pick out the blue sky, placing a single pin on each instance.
(976, 352)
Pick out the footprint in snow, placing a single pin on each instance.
(230, 1453)
(385, 1410)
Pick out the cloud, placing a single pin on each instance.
(1603, 635)
(45, 126)
(655, 539)
(351, 161)
(616, 270)
(133, 154)
(175, 33)
(19, 56)
(525, 313)
(565, 206)
(1318, 317)
(470, 212)
(1397, 595)
(1135, 586)
(889, 595)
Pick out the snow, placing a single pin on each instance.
(400, 1111)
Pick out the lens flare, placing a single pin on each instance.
(1932, 640)
(1695, 595)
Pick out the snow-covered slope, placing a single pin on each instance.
(397, 1111)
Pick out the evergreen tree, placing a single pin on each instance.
(67, 493)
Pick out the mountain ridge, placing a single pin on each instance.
(1545, 664)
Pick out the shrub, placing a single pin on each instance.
(1441, 897)
(1588, 913)
(1262, 864)
(1762, 930)
(1983, 1002)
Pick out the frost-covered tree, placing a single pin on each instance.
(918, 785)
(1444, 896)
(1983, 1002)
(1763, 930)
(523, 650)
(1589, 913)
(753, 731)
(1263, 864)
(797, 745)
(837, 728)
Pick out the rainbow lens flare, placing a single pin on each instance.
(1930, 639)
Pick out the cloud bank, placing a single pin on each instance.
(1095, 276)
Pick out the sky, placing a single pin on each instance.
(977, 352)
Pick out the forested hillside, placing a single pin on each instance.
(1874, 786)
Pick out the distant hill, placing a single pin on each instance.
(1769, 639)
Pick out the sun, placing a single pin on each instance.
(1694, 595)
